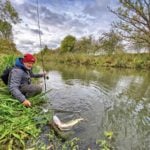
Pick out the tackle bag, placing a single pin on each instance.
(5, 74)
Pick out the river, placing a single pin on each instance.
(109, 99)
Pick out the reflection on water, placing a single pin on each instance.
(110, 99)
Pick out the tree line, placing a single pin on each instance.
(108, 43)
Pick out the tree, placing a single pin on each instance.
(68, 43)
(134, 24)
(8, 16)
(5, 30)
(84, 45)
(110, 42)
(7, 46)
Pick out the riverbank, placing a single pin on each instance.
(132, 61)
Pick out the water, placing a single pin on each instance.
(109, 99)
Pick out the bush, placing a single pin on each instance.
(7, 47)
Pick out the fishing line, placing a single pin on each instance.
(40, 40)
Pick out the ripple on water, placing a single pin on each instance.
(108, 102)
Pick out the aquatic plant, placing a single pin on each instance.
(106, 143)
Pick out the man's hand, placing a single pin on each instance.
(26, 103)
(44, 74)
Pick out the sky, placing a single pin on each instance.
(59, 18)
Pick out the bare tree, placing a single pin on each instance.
(110, 42)
(134, 24)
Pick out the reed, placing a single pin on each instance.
(138, 61)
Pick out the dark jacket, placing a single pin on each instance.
(18, 77)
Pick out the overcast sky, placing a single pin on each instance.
(59, 18)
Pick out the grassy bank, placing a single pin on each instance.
(19, 124)
(135, 61)
(23, 128)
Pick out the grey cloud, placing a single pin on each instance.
(45, 28)
(26, 42)
(46, 15)
(27, 46)
(52, 18)
(53, 44)
(17, 32)
(77, 23)
(36, 31)
(29, 10)
(23, 48)
(79, 31)
(26, 25)
(97, 9)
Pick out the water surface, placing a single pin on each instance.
(109, 99)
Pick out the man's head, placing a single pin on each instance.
(28, 61)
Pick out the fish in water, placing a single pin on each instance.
(65, 126)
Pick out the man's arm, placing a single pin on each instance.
(14, 83)
(33, 75)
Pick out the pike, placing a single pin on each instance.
(65, 126)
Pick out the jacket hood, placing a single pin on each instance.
(19, 63)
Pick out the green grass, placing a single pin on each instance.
(18, 123)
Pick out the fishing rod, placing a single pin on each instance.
(65, 111)
(40, 39)
(60, 110)
(43, 67)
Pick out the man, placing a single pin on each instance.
(19, 82)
